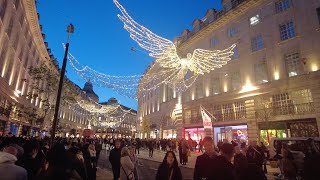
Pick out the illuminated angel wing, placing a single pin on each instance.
(160, 48)
(206, 60)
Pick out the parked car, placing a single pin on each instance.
(296, 145)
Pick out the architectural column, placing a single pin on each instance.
(7, 128)
(19, 130)
(252, 123)
(179, 121)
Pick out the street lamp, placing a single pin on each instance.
(70, 29)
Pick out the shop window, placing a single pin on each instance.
(195, 115)
(282, 104)
(304, 129)
(282, 5)
(303, 101)
(287, 31)
(228, 112)
(293, 64)
(217, 112)
(240, 110)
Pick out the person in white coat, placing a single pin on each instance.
(8, 169)
(127, 167)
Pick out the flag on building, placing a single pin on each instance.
(207, 124)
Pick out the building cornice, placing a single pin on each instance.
(33, 21)
(229, 16)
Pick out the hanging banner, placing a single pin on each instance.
(207, 124)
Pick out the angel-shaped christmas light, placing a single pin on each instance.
(165, 52)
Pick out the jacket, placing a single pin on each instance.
(164, 173)
(9, 170)
(202, 167)
(114, 158)
(127, 168)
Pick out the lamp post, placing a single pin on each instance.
(70, 29)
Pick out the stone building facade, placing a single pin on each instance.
(22, 45)
(270, 88)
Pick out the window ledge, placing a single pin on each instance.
(285, 41)
(257, 51)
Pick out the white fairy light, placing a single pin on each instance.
(172, 69)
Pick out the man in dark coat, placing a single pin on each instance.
(255, 154)
(223, 169)
(114, 158)
(29, 160)
(204, 162)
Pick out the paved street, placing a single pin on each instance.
(149, 166)
(147, 170)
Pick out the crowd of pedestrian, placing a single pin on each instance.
(28, 158)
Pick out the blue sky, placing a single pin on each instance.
(101, 42)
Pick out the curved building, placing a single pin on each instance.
(22, 47)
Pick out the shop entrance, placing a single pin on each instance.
(228, 133)
(194, 133)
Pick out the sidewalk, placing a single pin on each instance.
(104, 174)
(159, 155)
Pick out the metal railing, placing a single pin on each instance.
(292, 109)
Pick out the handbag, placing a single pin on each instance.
(189, 153)
(130, 176)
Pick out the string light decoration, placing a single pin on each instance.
(165, 53)
(178, 73)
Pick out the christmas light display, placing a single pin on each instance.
(165, 52)
(178, 73)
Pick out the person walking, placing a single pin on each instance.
(255, 154)
(127, 167)
(288, 167)
(29, 160)
(91, 161)
(134, 160)
(169, 169)
(114, 158)
(222, 168)
(151, 146)
(184, 151)
(203, 164)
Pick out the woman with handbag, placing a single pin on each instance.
(169, 169)
(127, 167)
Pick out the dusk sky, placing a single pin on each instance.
(100, 41)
